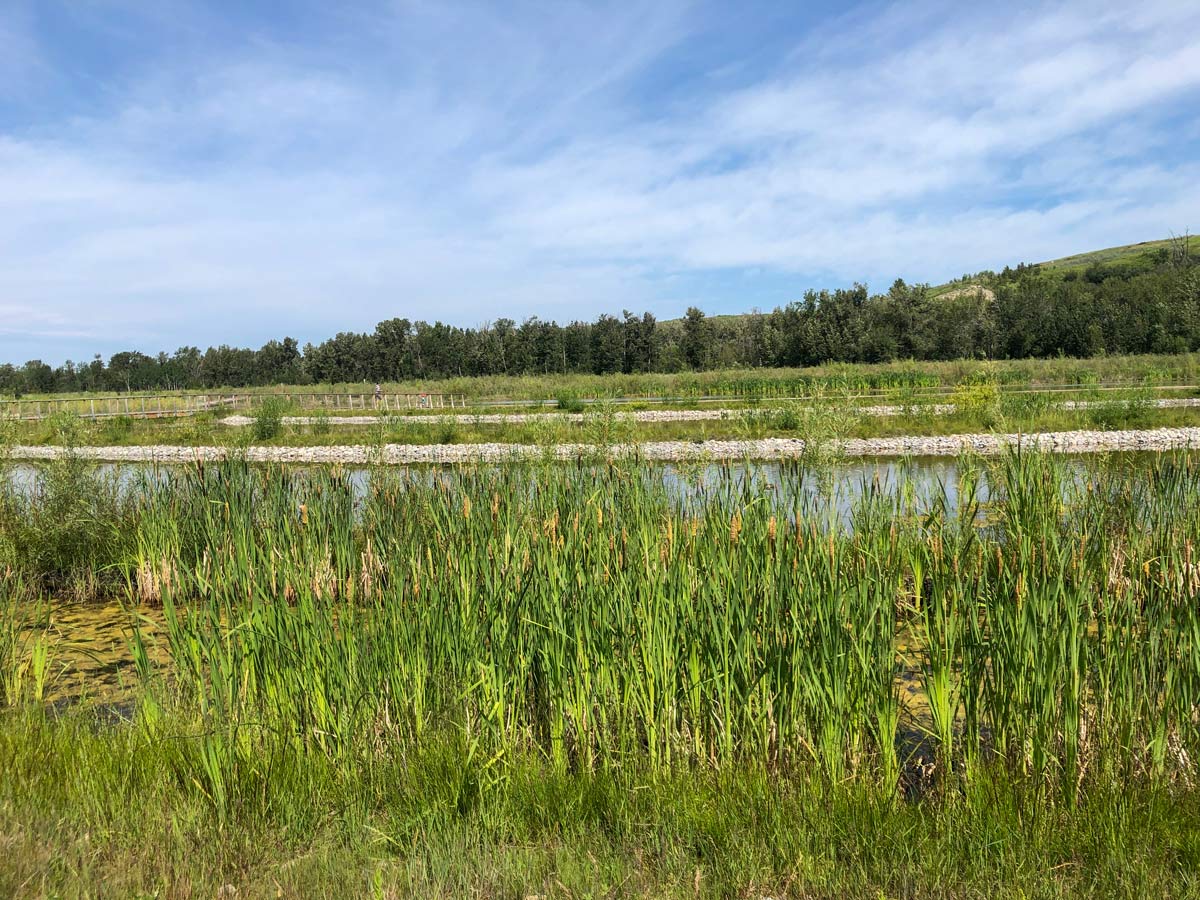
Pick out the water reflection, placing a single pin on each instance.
(923, 481)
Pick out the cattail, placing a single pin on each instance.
(771, 532)
(303, 513)
(466, 507)
(735, 527)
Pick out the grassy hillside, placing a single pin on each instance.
(1129, 259)
(1145, 253)
(1133, 257)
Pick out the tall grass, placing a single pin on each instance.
(64, 526)
(458, 636)
(601, 614)
(26, 650)
(457, 671)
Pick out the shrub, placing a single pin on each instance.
(980, 400)
(569, 403)
(787, 418)
(268, 418)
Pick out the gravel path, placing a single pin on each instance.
(646, 415)
(766, 448)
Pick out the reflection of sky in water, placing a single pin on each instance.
(915, 486)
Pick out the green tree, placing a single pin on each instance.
(697, 339)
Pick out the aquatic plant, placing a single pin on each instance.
(599, 614)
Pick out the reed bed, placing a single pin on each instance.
(607, 616)
(730, 680)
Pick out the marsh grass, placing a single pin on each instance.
(595, 616)
(321, 422)
(983, 411)
(116, 430)
(68, 529)
(670, 674)
(569, 403)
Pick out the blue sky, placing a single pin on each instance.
(181, 172)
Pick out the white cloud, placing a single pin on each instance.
(465, 162)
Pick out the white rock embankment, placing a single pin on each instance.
(1157, 439)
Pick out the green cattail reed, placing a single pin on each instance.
(1050, 618)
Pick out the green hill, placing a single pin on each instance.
(1147, 253)
(1130, 258)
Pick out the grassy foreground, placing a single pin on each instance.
(597, 680)
(88, 811)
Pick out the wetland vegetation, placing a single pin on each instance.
(981, 403)
(607, 677)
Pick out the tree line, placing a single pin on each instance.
(1148, 305)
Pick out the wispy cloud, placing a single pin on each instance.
(464, 161)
